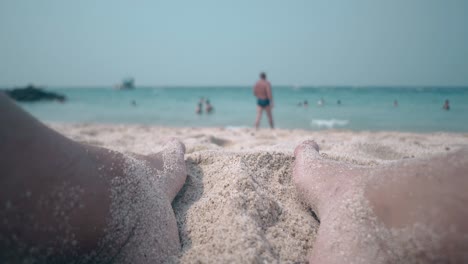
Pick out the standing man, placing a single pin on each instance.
(262, 90)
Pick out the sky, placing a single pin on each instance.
(221, 42)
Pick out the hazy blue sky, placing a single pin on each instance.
(214, 42)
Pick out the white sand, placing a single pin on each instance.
(239, 204)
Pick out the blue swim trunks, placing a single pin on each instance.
(263, 102)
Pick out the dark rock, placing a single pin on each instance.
(33, 94)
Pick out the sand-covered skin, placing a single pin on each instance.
(239, 204)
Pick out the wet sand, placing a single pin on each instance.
(238, 203)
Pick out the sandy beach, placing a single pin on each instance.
(238, 204)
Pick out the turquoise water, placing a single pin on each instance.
(370, 108)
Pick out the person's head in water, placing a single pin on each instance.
(263, 76)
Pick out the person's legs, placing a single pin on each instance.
(410, 211)
(62, 200)
(259, 116)
(270, 116)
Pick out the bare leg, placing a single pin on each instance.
(66, 202)
(259, 117)
(270, 116)
(409, 212)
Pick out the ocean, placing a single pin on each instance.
(361, 108)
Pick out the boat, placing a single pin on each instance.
(126, 84)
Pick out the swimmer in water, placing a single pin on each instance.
(446, 105)
(199, 108)
(208, 107)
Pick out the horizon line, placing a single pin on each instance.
(146, 86)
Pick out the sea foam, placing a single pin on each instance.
(328, 123)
